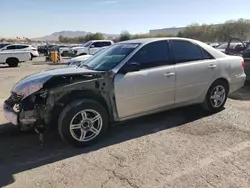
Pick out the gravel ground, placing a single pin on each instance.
(180, 148)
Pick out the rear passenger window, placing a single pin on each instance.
(106, 43)
(153, 55)
(21, 46)
(185, 51)
(96, 45)
(12, 47)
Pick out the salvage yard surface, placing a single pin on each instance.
(180, 148)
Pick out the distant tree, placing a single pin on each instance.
(125, 35)
(95, 36)
(2, 40)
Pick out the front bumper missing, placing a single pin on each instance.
(10, 114)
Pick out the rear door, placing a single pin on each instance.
(195, 70)
(150, 88)
(22, 48)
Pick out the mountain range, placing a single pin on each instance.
(55, 36)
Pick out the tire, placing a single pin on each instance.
(71, 114)
(31, 56)
(12, 62)
(215, 102)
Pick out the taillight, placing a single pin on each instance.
(243, 64)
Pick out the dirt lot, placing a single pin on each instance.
(180, 148)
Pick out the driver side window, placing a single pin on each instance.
(96, 45)
(152, 55)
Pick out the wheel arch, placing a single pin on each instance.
(79, 94)
(223, 80)
(218, 79)
(12, 58)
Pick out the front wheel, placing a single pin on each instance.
(216, 96)
(82, 123)
(12, 62)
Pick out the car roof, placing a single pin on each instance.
(20, 44)
(214, 52)
(147, 40)
(100, 41)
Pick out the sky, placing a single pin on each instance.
(36, 18)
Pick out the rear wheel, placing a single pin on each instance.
(216, 96)
(31, 56)
(82, 123)
(12, 62)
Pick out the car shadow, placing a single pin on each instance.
(7, 66)
(22, 151)
(241, 94)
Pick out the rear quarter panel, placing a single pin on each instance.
(231, 69)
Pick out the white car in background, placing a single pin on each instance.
(22, 47)
(13, 58)
(92, 46)
(76, 61)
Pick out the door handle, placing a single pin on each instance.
(168, 74)
(212, 66)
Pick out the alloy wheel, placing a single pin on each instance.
(86, 125)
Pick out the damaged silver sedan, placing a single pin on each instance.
(127, 80)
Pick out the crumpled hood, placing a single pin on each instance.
(34, 82)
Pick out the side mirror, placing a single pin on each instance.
(131, 67)
(92, 46)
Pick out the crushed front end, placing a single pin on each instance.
(23, 107)
(29, 112)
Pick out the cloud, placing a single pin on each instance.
(108, 2)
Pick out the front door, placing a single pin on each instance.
(195, 70)
(150, 88)
(94, 47)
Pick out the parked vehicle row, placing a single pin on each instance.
(127, 80)
(235, 47)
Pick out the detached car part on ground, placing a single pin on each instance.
(127, 80)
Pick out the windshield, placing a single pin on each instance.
(87, 44)
(110, 57)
